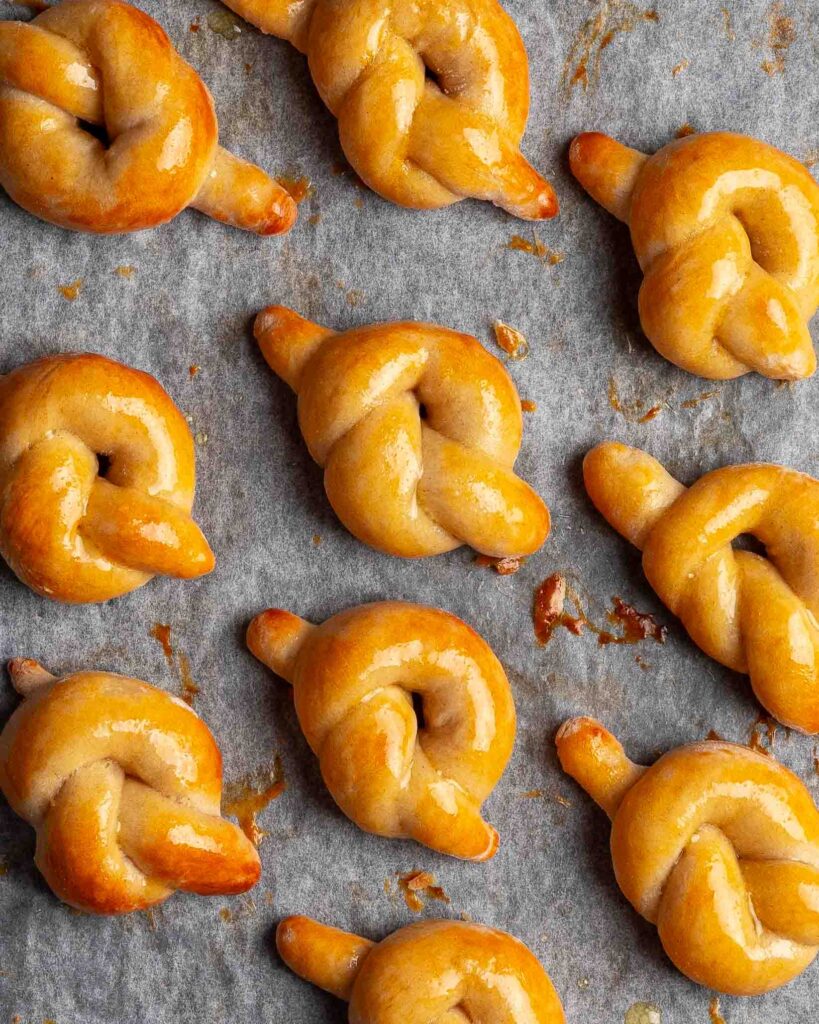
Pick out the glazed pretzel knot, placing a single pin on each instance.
(123, 785)
(726, 230)
(432, 972)
(431, 97)
(354, 678)
(717, 845)
(754, 614)
(69, 532)
(108, 64)
(417, 428)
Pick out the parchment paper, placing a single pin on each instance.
(748, 66)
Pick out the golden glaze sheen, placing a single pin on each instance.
(432, 972)
(717, 845)
(69, 533)
(354, 678)
(754, 614)
(107, 63)
(417, 428)
(431, 96)
(726, 230)
(123, 785)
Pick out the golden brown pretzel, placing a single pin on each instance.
(756, 615)
(353, 679)
(432, 972)
(123, 785)
(726, 230)
(107, 63)
(431, 96)
(68, 532)
(717, 845)
(406, 484)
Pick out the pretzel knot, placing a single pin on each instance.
(726, 230)
(354, 678)
(432, 972)
(431, 98)
(107, 64)
(96, 480)
(717, 845)
(417, 428)
(123, 785)
(754, 614)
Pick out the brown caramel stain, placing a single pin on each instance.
(225, 24)
(416, 887)
(549, 613)
(811, 158)
(161, 632)
(685, 130)
(195, 25)
(763, 734)
(558, 799)
(354, 296)
(314, 219)
(226, 915)
(781, 36)
(634, 411)
(125, 270)
(646, 666)
(152, 917)
(249, 65)
(502, 566)
(316, 539)
(300, 188)
(517, 243)
(712, 734)
(728, 25)
(511, 340)
(193, 369)
(527, 405)
(532, 794)
(71, 291)
(679, 68)
(816, 759)
(650, 414)
(714, 1011)
(609, 19)
(246, 908)
(246, 798)
(705, 396)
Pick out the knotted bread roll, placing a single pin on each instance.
(354, 678)
(417, 428)
(717, 845)
(123, 785)
(726, 230)
(432, 972)
(68, 531)
(431, 96)
(106, 63)
(752, 613)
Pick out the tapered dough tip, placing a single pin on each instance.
(606, 169)
(595, 758)
(281, 216)
(28, 675)
(275, 636)
(492, 846)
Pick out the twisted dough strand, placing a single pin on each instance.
(756, 615)
(122, 783)
(726, 230)
(432, 972)
(353, 679)
(68, 532)
(408, 485)
(718, 846)
(108, 64)
(431, 98)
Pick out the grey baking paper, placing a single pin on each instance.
(352, 259)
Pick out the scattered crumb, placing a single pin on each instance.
(316, 539)
(502, 566)
(532, 794)
(225, 24)
(71, 291)
(679, 68)
(527, 405)
(358, 203)
(415, 886)
(193, 369)
(517, 243)
(249, 65)
(513, 343)
(195, 25)
(644, 1013)
(125, 270)
(314, 219)
(201, 438)
(583, 984)
(811, 158)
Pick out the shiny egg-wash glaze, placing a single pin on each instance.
(123, 785)
(726, 230)
(431, 96)
(717, 845)
(432, 972)
(68, 532)
(417, 428)
(108, 64)
(753, 614)
(354, 677)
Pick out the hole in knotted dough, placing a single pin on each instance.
(103, 465)
(747, 542)
(97, 130)
(422, 411)
(418, 708)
